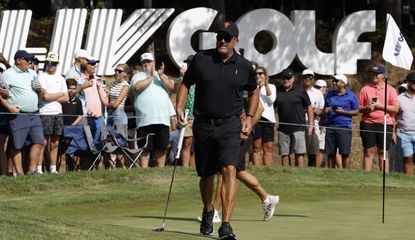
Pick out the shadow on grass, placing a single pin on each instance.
(167, 218)
(291, 215)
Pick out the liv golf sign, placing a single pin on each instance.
(113, 42)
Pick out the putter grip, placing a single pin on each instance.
(179, 146)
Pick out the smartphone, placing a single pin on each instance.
(334, 108)
(90, 77)
(374, 99)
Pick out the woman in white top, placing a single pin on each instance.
(119, 88)
(264, 129)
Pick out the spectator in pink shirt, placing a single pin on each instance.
(95, 99)
(371, 105)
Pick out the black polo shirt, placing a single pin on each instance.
(219, 85)
(291, 106)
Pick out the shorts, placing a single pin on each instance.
(407, 143)
(322, 138)
(216, 144)
(245, 146)
(264, 130)
(292, 142)
(313, 142)
(372, 135)
(188, 131)
(338, 138)
(52, 125)
(159, 141)
(117, 117)
(22, 126)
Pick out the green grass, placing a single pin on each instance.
(121, 204)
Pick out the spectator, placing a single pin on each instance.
(81, 59)
(188, 155)
(406, 123)
(4, 125)
(291, 102)
(152, 107)
(23, 98)
(264, 129)
(317, 102)
(95, 97)
(35, 64)
(72, 109)
(341, 105)
(322, 86)
(371, 101)
(54, 92)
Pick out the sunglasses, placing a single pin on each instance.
(51, 64)
(226, 37)
(286, 78)
(308, 77)
(260, 73)
(118, 71)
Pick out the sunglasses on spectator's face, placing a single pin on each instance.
(53, 64)
(260, 73)
(223, 36)
(286, 78)
(118, 71)
(309, 77)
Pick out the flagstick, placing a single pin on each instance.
(384, 145)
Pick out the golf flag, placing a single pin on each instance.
(395, 49)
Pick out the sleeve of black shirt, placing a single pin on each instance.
(79, 109)
(306, 99)
(189, 77)
(252, 81)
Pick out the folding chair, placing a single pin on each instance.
(73, 143)
(97, 153)
(121, 142)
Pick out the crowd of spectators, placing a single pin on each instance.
(314, 121)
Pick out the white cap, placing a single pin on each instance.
(404, 85)
(341, 77)
(308, 72)
(52, 56)
(147, 56)
(82, 53)
(321, 83)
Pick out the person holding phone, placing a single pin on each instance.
(341, 105)
(371, 101)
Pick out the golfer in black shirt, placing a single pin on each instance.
(221, 76)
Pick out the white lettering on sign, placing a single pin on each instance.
(112, 42)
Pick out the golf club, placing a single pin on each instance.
(176, 159)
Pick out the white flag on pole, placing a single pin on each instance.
(395, 49)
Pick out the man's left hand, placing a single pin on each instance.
(247, 126)
(310, 130)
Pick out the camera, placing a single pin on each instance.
(374, 99)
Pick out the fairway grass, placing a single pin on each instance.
(127, 204)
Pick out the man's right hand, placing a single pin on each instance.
(14, 109)
(87, 84)
(180, 118)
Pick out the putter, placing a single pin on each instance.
(179, 148)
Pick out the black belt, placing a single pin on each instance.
(212, 121)
(29, 112)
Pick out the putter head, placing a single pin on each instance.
(159, 229)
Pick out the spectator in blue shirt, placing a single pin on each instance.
(341, 105)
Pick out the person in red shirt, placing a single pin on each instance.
(371, 105)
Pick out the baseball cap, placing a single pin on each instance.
(341, 77)
(147, 56)
(52, 57)
(82, 53)
(308, 72)
(287, 73)
(411, 77)
(189, 59)
(229, 28)
(92, 60)
(23, 54)
(377, 69)
(321, 83)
